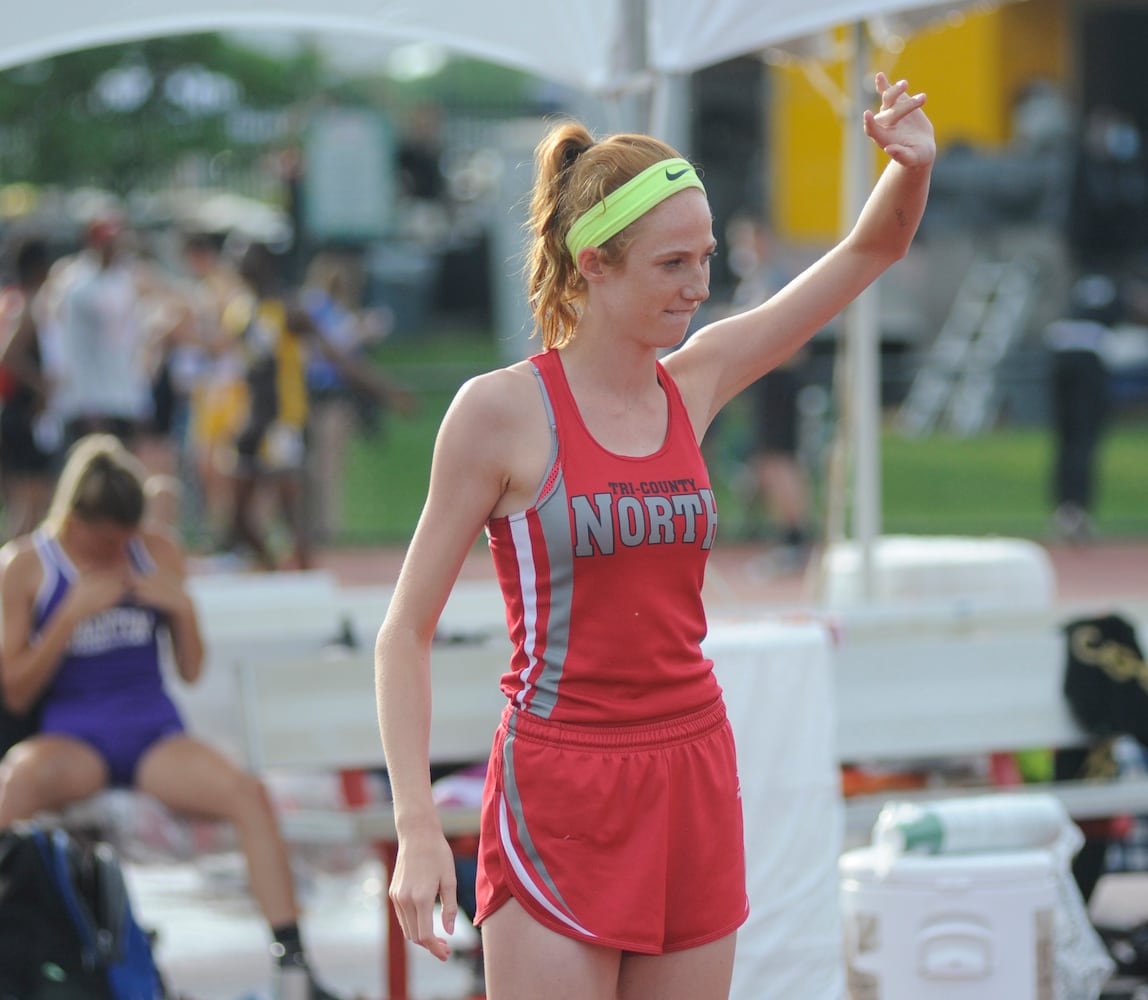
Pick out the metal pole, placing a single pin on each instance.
(862, 322)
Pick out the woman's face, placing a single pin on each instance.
(664, 278)
(100, 544)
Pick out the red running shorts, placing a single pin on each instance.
(628, 837)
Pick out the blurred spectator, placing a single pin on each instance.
(212, 367)
(425, 211)
(167, 315)
(98, 362)
(268, 448)
(1108, 207)
(420, 156)
(29, 440)
(332, 300)
(1079, 389)
(275, 336)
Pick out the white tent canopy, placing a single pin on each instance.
(590, 44)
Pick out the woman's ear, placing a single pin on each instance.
(590, 264)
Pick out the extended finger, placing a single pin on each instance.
(421, 929)
(449, 899)
(401, 915)
(892, 93)
(905, 104)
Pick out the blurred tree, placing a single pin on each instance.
(110, 116)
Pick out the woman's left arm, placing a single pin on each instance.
(725, 357)
(166, 591)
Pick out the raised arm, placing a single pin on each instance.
(726, 356)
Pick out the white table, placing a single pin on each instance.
(909, 570)
(778, 681)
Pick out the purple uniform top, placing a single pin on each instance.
(108, 691)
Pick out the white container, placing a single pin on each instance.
(949, 927)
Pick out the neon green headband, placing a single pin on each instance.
(631, 201)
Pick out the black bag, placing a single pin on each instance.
(1128, 947)
(1106, 678)
(67, 931)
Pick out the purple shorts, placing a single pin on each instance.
(121, 734)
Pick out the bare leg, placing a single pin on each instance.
(290, 493)
(189, 776)
(702, 973)
(332, 427)
(47, 772)
(215, 489)
(244, 515)
(525, 961)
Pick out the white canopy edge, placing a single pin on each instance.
(586, 45)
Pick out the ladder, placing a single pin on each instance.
(956, 384)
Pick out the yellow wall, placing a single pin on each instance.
(972, 69)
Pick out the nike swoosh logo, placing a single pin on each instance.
(675, 176)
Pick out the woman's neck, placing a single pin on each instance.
(83, 555)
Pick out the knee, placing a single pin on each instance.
(25, 782)
(9, 789)
(246, 796)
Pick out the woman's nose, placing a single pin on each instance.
(697, 289)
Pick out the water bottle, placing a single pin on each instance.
(976, 823)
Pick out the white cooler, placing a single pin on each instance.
(949, 926)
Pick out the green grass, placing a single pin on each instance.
(999, 484)
(387, 472)
(996, 484)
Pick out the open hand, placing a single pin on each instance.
(900, 127)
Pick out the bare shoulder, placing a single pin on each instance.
(20, 565)
(504, 394)
(497, 430)
(503, 406)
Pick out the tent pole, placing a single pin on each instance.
(862, 323)
(670, 110)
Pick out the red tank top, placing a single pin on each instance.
(602, 575)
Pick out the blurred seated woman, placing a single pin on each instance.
(84, 598)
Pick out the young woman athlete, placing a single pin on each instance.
(85, 599)
(611, 861)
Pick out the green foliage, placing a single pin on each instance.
(467, 83)
(111, 116)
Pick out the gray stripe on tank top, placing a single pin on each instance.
(554, 519)
(50, 572)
